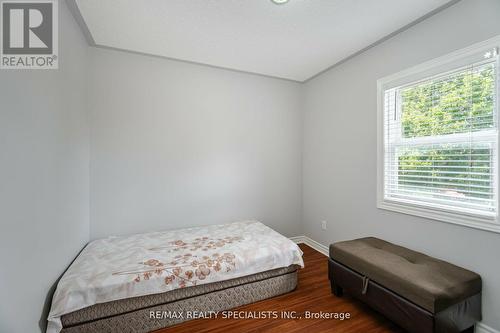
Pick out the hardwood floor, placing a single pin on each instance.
(312, 294)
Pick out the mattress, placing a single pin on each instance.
(121, 268)
(135, 314)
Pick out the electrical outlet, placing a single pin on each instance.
(323, 225)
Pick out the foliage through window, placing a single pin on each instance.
(441, 139)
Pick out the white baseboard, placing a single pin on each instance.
(480, 327)
(311, 243)
(296, 239)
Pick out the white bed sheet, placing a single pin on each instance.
(121, 267)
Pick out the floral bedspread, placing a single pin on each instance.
(121, 267)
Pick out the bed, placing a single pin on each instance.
(145, 282)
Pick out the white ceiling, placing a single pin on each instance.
(293, 41)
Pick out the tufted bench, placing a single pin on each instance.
(419, 293)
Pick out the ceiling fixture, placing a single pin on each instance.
(279, 2)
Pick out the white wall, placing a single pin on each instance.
(44, 179)
(175, 144)
(339, 165)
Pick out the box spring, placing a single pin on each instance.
(133, 314)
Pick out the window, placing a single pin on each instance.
(438, 139)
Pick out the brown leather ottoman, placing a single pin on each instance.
(419, 293)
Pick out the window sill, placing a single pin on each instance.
(471, 221)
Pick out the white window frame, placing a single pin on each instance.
(428, 69)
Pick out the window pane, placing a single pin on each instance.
(457, 103)
(452, 174)
(441, 142)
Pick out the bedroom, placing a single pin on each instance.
(186, 114)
